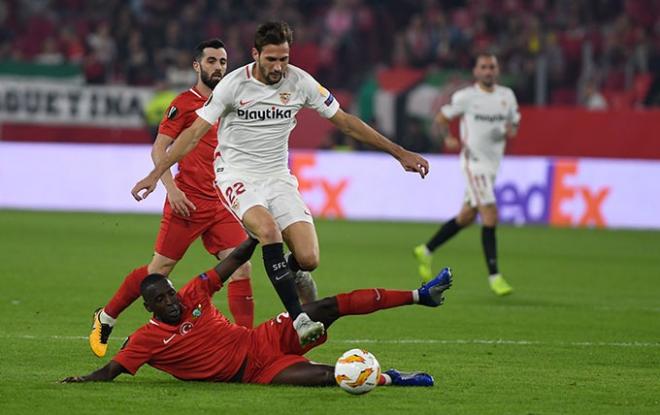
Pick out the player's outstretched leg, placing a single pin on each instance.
(394, 377)
(366, 301)
(305, 284)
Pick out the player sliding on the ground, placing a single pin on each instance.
(190, 339)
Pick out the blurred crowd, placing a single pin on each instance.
(591, 52)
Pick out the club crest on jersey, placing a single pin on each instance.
(197, 311)
(172, 112)
(284, 97)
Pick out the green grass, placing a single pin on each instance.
(580, 335)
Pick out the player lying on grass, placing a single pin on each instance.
(190, 339)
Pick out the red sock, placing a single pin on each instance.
(370, 300)
(241, 304)
(381, 380)
(128, 292)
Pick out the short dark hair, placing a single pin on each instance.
(210, 43)
(150, 280)
(272, 33)
(482, 55)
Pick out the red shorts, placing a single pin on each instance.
(274, 347)
(217, 226)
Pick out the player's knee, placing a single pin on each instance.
(268, 233)
(490, 221)
(243, 272)
(308, 261)
(489, 215)
(161, 265)
(466, 219)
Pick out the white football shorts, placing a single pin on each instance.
(279, 194)
(479, 186)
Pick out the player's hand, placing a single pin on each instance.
(148, 184)
(74, 379)
(179, 202)
(452, 142)
(510, 131)
(414, 162)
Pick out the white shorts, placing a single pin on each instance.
(279, 194)
(479, 187)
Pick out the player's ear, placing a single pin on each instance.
(196, 66)
(255, 54)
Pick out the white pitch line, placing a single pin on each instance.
(414, 341)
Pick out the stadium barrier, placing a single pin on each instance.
(363, 186)
(42, 110)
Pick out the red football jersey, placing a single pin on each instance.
(184, 351)
(195, 175)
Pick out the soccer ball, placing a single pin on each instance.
(357, 371)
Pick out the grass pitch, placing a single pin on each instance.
(580, 334)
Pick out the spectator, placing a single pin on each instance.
(593, 99)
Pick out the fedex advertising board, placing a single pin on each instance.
(369, 186)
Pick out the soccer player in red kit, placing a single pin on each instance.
(190, 339)
(192, 208)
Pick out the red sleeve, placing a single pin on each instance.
(207, 282)
(135, 352)
(179, 116)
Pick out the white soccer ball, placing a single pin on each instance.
(357, 371)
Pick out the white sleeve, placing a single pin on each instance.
(456, 107)
(319, 98)
(218, 104)
(514, 113)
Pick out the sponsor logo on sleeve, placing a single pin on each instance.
(172, 112)
(329, 100)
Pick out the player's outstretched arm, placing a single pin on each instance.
(176, 198)
(186, 141)
(238, 257)
(104, 374)
(353, 126)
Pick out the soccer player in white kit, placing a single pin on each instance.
(257, 104)
(489, 117)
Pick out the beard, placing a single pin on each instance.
(268, 77)
(208, 80)
(488, 81)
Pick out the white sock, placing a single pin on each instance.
(493, 276)
(415, 294)
(106, 319)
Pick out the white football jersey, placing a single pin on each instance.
(257, 118)
(483, 123)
